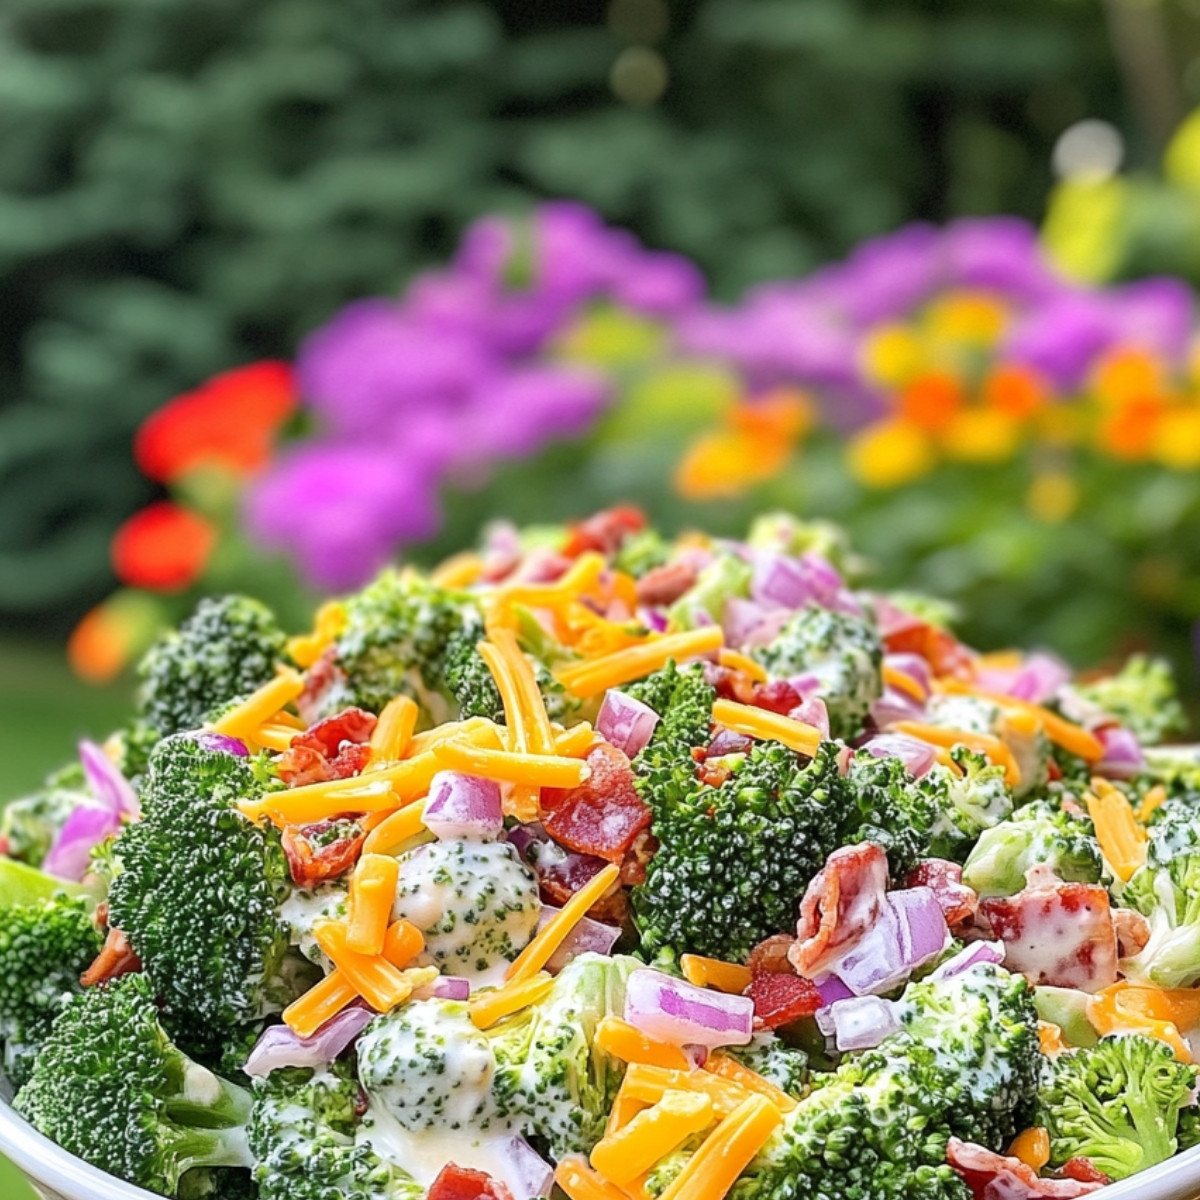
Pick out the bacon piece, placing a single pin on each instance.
(605, 531)
(770, 956)
(1060, 934)
(461, 1183)
(1083, 1170)
(842, 902)
(665, 584)
(777, 695)
(116, 958)
(944, 879)
(328, 736)
(333, 748)
(1133, 932)
(637, 859)
(942, 651)
(604, 814)
(782, 999)
(560, 881)
(326, 850)
(991, 1176)
(321, 681)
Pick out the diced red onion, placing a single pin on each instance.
(910, 931)
(528, 1176)
(280, 1047)
(675, 1011)
(445, 987)
(726, 741)
(923, 930)
(741, 618)
(110, 788)
(463, 806)
(832, 989)
(587, 937)
(1035, 680)
(697, 1056)
(653, 618)
(914, 666)
(894, 705)
(221, 743)
(916, 755)
(625, 722)
(81, 833)
(859, 1023)
(521, 837)
(812, 710)
(767, 630)
(1123, 757)
(779, 580)
(969, 956)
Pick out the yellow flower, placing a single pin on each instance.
(1181, 163)
(611, 337)
(971, 318)
(981, 435)
(1082, 230)
(1060, 424)
(1052, 496)
(891, 453)
(1176, 441)
(1128, 374)
(727, 462)
(892, 355)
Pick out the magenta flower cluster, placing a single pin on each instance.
(410, 394)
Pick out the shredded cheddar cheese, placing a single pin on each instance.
(402, 943)
(327, 628)
(552, 935)
(260, 706)
(742, 662)
(458, 571)
(576, 741)
(726, 1153)
(396, 829)
(580, 1182)
(492, 1006)
(319, 1004)
(1122, 840)
(759, 723)
(712, 972)
(505, 766)
(1153, 799)
(751, 1080)
(982, 743)
(631, 1045)
(1123, 1008)
(649, 1084)
(904, 682)
(597, 675)
(318, 801)
(393, 731)
(375, 979)
(273, 736)
(372, 893)
(1032, 1147)
(652, 1134)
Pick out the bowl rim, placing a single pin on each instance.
(47, 1163)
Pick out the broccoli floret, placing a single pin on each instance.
(843, 653)
(884, 804)
(783, 1065)
(29, 825)
(1116, 1103)
(683, 699)
(1141, 696)
(1177, 768)
(1030, 747)
(306, 1139)
(476, 903)
(1166, 890)
(966, 804)
(1037, 834)
(550, 1079)
(727, 576)
(395, 641)
(468, 679)
(111, 1087)
(199, 894)
(642, 552)
(45, 945)
(228, 647)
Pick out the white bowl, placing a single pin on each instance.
(57, 1175)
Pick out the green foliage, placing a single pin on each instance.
(228, 647)
(199, 894)
(1116, 1103)
(111, 1087)
(45, 945)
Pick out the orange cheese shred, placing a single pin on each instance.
(576, 741)
(396, 829)
(580, 1182)
(393, 732)
(631, 1045)
(328, 626)
(274, 736)
(538, 770)
(1123, 1008)
(375, 979)
(744, 663)
(1122, 840)
(597, 675)
(402, 943)
(751, 1080)
(319, 1004)
(317, 801)
(653, 1133)
(982, 743)
(726, 1152)
(712, 972)
(458, 571)
(548, 939)
(260, 706)
(649, 1084)
(494, 1005)
(1155, 797)
(902, 681)
(372, 894)
(625, 1108)
(759, 723)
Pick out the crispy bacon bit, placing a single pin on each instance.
(637, 859)
(326, 850)
(322, 680)
(461, 1183)
(665, 584)
(560, 881)
(605, 531)
(782, 999)
(1060, 934)
(1083, 1170)
(777, 695)
(944, 879)
(713, 774)
(334, 748)
(842, 902)
(603, 815)
(770, 956)
(991, 1176)
(1133, 931)
(115, 959)
(943, 652)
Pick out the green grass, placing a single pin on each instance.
(43, 713)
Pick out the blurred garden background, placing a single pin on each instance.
(1005, 413)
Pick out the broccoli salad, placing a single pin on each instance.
(604, 866)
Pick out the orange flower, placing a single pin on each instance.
(163, 548)
(1015, 391)
(230, 422)
(1129, 431)
(931, 400)
(1127, 374)
(727, 463)
(110, 636)
(783, 414)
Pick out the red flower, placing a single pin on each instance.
(163, 547)
(230, 421)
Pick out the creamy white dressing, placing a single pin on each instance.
(1074, 948)
(964, 712)
(304, 908)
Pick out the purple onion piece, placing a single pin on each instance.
(916, 755)
(653, 618)
(625, 722)
(968, 957)
(910, 931)
(463, 806)
(780, 581)
(81, 833)
(860, 1023)
(894, 705)
(696, 1055)
(674, 1011)
(280, 1047)
(587, 937)
(832, 989)
(110, 788)
(521, 837)
(528, 1176)
(915, 666)
(1123, 757)
(445, 987)
(923, 930)
(812, 710)
(741, 618)
(220, 742)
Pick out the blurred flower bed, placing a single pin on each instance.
(982, 426)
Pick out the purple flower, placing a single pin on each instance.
(998, 254)
(1063, 338)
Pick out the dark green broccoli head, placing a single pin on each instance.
(111, 1087)
(303, 1137)
(227, 648)
(199, 892)
(981, 1028)
(468, 679)
(29, 825)
(1116, 1103)
(1167, 891)
(684, 700)
(844, 653)
(1040, 833)
(966, 805)
(884, 804)
(1141, 696)
(45, 946)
